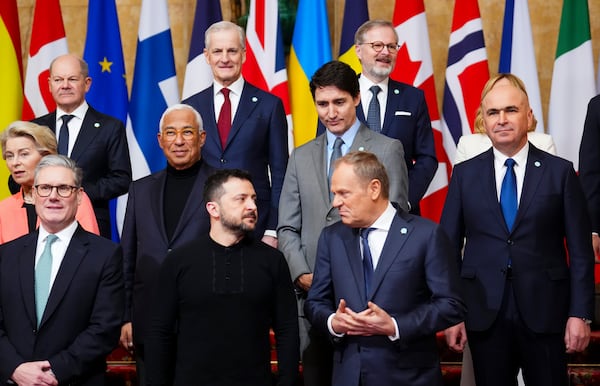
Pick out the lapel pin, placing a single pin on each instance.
(361, 148)
(537, 164)
(396, 91)
(403, 231)
(97, 124)
(254, 99)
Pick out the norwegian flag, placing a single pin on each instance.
(265, 57)
(466, 74)
(415, 67)
(48, 40)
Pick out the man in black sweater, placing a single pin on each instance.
(164, 210)
(217, 298)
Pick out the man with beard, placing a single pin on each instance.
(219, 297)
(392, 108)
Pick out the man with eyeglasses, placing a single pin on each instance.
(246, 126)
(61, 290)
(96, 141)
(164, 210)
(392, 108)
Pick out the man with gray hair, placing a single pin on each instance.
(164, 210)
(246, 126)
(61, 287)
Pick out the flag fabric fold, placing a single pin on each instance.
(11, 74)
(265, 56)
(356, 13)
(103, 53)
(48, 40)
(467, 72)
(517, 55)
(311, 48)
(198, 74)
(415, 67)
(573, 83)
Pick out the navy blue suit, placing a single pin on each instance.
(589, 161)
(546, 286)
(407, 119)
(415, 281)
(101, 152)
(257, 143)
(82, 320)
(145, 243)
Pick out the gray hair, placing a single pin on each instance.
(369, 25)
(179, 107)
(224, 26)
(85, 69)
(61, 161)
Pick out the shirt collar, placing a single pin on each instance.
(63, 235)
(384, 222)
(236, 87)
(79, 112)
(347, 137)
(366, 83)
(520, 157)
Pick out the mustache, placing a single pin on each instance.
(253, 215)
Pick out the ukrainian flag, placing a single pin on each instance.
(11, 74)
(311, 48)
(356, 13)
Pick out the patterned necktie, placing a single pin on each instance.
(373, 114)
(367, 259)
(43, 271)
(337, 153)
(508, 194)
(224, 122)
(63, 136)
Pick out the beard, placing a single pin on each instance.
(239, 227)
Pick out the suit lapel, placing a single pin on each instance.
(193, 203)
(75, 254)
(489, 192)
(362, 139)
(399, 232)
(393, 96)
(90, 127)
(158, 196)
(351, 244)
(248, 102)
(27, 274)
(319, 162)
(209, 119)
(533, 175)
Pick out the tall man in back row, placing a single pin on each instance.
(246, 127)
(398, 110)
(527, 267)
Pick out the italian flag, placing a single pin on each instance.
(573, 82)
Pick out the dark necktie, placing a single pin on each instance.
(224, 122)
(508, 194)
(63, 136)
(337, 153)
(43, 271)
(373, 114)
(367, 259)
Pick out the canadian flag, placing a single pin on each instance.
(48, 41)
(415, 67)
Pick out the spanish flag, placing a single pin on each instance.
(356, 13)
(311, 48)
(11, 74)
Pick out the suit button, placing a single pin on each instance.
(328, 218)
(510, 242)
(34, 331)
(169, 250)
(223, 160)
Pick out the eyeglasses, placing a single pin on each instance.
(378, 46)
(45, 190)
(186, 133)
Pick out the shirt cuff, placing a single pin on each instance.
(330, 328)
(270, 232)
(397, 334)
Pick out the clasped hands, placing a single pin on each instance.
(371, 321)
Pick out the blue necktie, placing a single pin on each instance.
(63, 136)
(367, 259)
(43, 271)
(373, 113)
(337, 153)
(508, 194)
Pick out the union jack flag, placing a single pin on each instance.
(466, 74)
(265, 57)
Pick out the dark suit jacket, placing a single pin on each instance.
(145, 244)
(589, 161)
(548, 287)
(257, 143)
(415, 281)
(407, 119)
(82, 320)
(101, 152)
